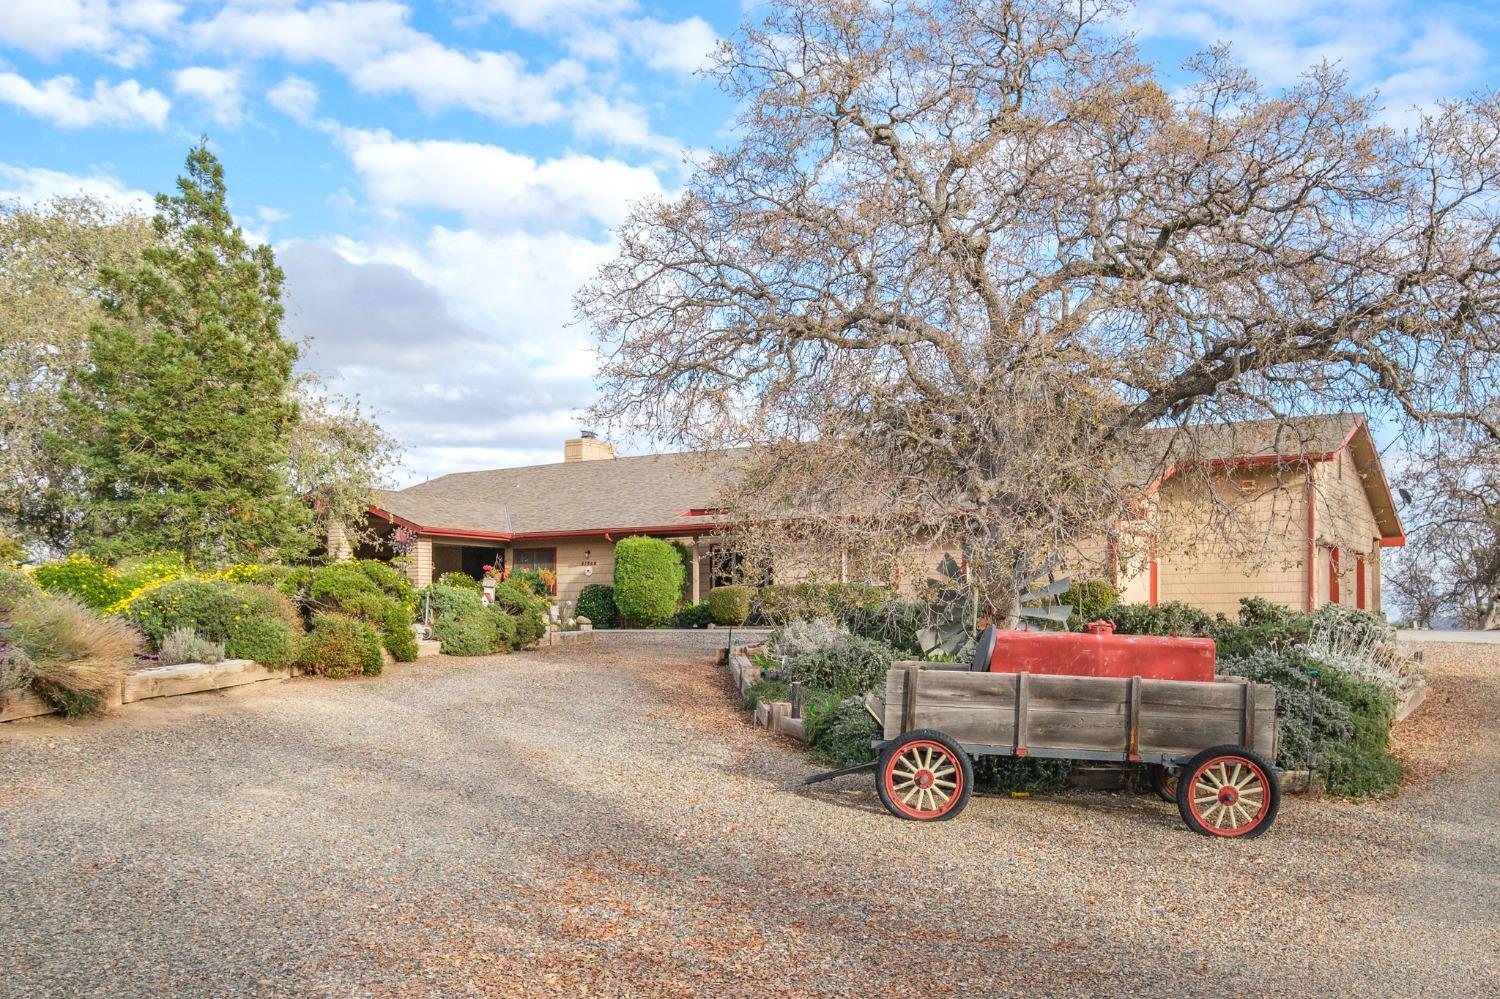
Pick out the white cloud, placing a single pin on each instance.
(679, 47)
(116, 30)
(31, 185)
(296, 97)
(619, 123)
(544, 13)
(373, 44)
(492, 186)
(1410, 53)
(126, 104)
(218, 90)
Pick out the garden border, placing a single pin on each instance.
(774, 715)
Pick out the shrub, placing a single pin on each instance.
(17, 671)
(78, 654)
(1171, 618)
(252, 622)
(730, 605)
(1089, 598)
(141, 571)
(505, 629)
(460, 580)
(95, 584)
(799, 637)
(1331, 713)
(339, 646)
(269, 641)
(895, 622)
(528, 610)
(466, 633)
(648, 580)
(15, 586)
(848, 665)
(781, 602)
(766, 690)
(373, 592)
(839, 732)
(540, 582)
(693, 616)
(184, 645)
(596, 602)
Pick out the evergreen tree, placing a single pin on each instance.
(178, 428)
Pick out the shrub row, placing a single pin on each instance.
(466, 626)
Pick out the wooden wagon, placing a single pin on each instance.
(1207, 743)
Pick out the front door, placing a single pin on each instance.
(475, 559)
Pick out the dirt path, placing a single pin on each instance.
(602, 821)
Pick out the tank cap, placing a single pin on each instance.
(1101, 628)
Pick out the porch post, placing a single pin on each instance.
(697, 569)
(419, 568)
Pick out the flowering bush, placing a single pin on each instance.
(95, 584)
(340, 646)
(220, 611)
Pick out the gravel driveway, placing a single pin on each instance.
(601, 821)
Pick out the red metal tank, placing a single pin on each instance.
(1100, 652)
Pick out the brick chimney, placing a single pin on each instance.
(587, 447)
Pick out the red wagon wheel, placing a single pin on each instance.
(1228, 791)
(1163, 781)
(925, 776)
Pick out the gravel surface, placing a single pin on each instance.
(602, 821)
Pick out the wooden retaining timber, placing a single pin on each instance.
(774, 715)
(194, 678)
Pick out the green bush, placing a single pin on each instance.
(528, 610)
(895, 622)
(693, 616)
(95, 584)
(1171, 618)
(218, 610)
(849, 665)
(461, 580)
(730, 605)
(466, 633)
(15, 586)
(340, 646)
(373, 592)
(766, 690)
(141, 571)
(839, 732)
(1330, 713)
(596, 602)
(269, 641)
(648, 580)
(505, 629)
(445, 599)
(1089, 598)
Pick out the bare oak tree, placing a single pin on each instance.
(961, 252)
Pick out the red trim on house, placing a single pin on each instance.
(1333, 575)
(413, 525)
(1359, 582)
(1155, 579)
(521, 536)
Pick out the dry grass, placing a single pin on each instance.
(80, 655)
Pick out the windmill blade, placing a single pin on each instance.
(1054, 589)
(1057, 612)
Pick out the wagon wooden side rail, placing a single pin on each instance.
(1207, 742)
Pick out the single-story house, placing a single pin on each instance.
(1312, 507)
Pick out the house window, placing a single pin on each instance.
(1333, 575)
(1359, 582)
(535, 559)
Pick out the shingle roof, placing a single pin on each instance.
(654, 490)
(658, 490)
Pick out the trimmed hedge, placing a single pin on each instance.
(648, 580)
(461, 622)
(730, 605)
(371, 591)
(596, 602)
(340, 646)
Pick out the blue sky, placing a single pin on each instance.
(438, 178)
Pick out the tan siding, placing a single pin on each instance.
(575, 556)
(1346, 521)
(1259, 549)
(419, 565)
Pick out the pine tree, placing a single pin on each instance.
(178, 428)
